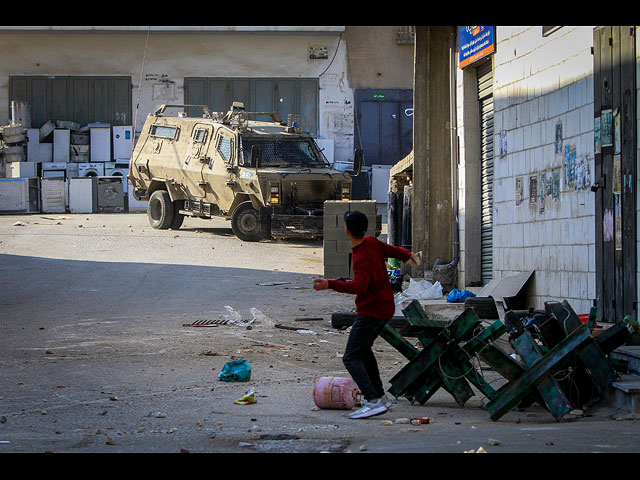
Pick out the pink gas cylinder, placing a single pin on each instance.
(336, 393)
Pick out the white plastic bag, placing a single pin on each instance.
(417, 290)
(234, 318)
(260, 318)
(422, 290)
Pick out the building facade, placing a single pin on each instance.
(332, 76)
(546, 125)
(118, 75)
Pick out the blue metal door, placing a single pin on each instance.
(383, 125)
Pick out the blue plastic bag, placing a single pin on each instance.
(235, 371)
(457, 296)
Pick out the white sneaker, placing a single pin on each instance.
(370, 409)
(386, 401)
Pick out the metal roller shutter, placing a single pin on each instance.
(281, 95)
(77, 99)
(485, 97)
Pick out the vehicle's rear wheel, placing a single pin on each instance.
(160, 210)
(247, 223)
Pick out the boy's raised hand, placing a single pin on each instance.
(320, 284)
(415, 260)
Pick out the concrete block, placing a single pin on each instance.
(336, 233)
(329, 247)
(627, 395)
(368, 207)
(330, 221)
(343, 247)
(337, 259)
(336, 271)
(335, 207)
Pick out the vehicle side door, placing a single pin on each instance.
(195, 159)
(221, 169)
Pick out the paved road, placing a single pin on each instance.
(97, 354)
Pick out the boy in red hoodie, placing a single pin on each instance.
(375, 305)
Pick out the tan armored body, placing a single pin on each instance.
(268, 178)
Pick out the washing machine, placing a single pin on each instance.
(117, 169)
(110, 194)
(90, 169)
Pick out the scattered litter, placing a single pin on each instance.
(494, 442)
(386, 423)
(418, 290)
(285, 327)
(310, 332)
(247, 399)
(270, 284)
(280, 436)
(206, 323)
(421, 420)
(246, 444)
(402, 420)
(18, 224)
(259, 318)
(479, 450)
(235, 371)
(211, 353)
(233, 317)
(458, 296)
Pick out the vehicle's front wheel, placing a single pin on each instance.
(247, 223)
(160, 210)
(178, 217)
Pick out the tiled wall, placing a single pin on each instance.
(543, 143)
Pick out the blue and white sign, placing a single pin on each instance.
(475, 43)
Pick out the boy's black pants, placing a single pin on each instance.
(358, 357)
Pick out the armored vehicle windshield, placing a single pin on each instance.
(282, 152)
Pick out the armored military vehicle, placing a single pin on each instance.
(268, 177)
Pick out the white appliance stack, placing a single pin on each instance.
(80, 169)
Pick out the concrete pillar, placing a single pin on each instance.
(432, 202)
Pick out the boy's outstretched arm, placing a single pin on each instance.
(320, 283)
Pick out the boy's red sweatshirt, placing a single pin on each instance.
(370, 284)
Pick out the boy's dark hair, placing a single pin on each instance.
(356, 222)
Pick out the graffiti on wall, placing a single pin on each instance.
(569, 172)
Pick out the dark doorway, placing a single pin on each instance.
(615, 171)
(384, 125)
